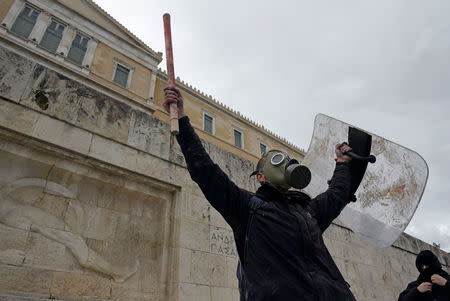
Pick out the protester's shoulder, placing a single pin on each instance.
(244, 194)
(251, 195)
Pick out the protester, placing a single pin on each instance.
(432, 283)
(277, 230)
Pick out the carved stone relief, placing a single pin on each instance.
(88, 217)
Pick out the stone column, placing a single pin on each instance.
(13, 13)
(89, 56)
(66, 41)
(39, 28)
(152, 87)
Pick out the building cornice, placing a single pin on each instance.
(209, 100)
(156, 55)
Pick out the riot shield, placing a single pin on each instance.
(390, 189)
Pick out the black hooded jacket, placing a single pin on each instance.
(438, 293)
(285, 257)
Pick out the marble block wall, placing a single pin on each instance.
(96, 203)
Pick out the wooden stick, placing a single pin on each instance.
(174, 129)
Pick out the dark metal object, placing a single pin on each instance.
(361, 143)
(370, 158)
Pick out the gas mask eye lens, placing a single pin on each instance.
(277, 159)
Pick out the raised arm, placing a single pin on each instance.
(219, 190)
(328, 205)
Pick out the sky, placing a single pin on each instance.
(383, 66)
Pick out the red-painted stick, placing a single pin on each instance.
(174, 129)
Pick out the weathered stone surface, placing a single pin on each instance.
(184, 265)
(121, 255)
(231, 272)
(115, 235)
(153, 167)
(104, 115)
(224, 294)
(17, 118)
(16, 166)
(49, 254)
(12, 238)
(63, 101)
(138, 229)
(175, 154)
(200, 268)
(194, 235)
(149, 134)
(113, 152)
(218, 270)
(53, 204)
(122, 200)
(208, 269)
(119, 292)
(197, 208)
(79, 285)
(20, 296)
(78, 104)
(25, 279)
(217, 220)
(149, 275)
(91, 222)
(193, 292)
(14, 74)
(12, 257)
(109, 196)
(62, 134)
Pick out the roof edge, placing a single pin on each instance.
(236, 114)
(158, 56)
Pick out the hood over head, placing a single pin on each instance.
(434, 266)
(427, 257)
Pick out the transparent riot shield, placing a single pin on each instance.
(390, 190)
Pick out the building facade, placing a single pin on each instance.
(95, 199)
(81, 37)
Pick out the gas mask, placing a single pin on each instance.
(282, 171)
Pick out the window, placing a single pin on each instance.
(121, 75)
(208, 123)
(25, 21)
(262, 148)
(237, 138)
(52, 36)
(78, 49)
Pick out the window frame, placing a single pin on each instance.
(265, 145)
(213, 117)
(83, 36)
(58, 23)
(236, 129)
(126, 66)
(33, 8)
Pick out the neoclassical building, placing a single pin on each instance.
(95, 199)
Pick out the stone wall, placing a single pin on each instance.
(96, 204)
